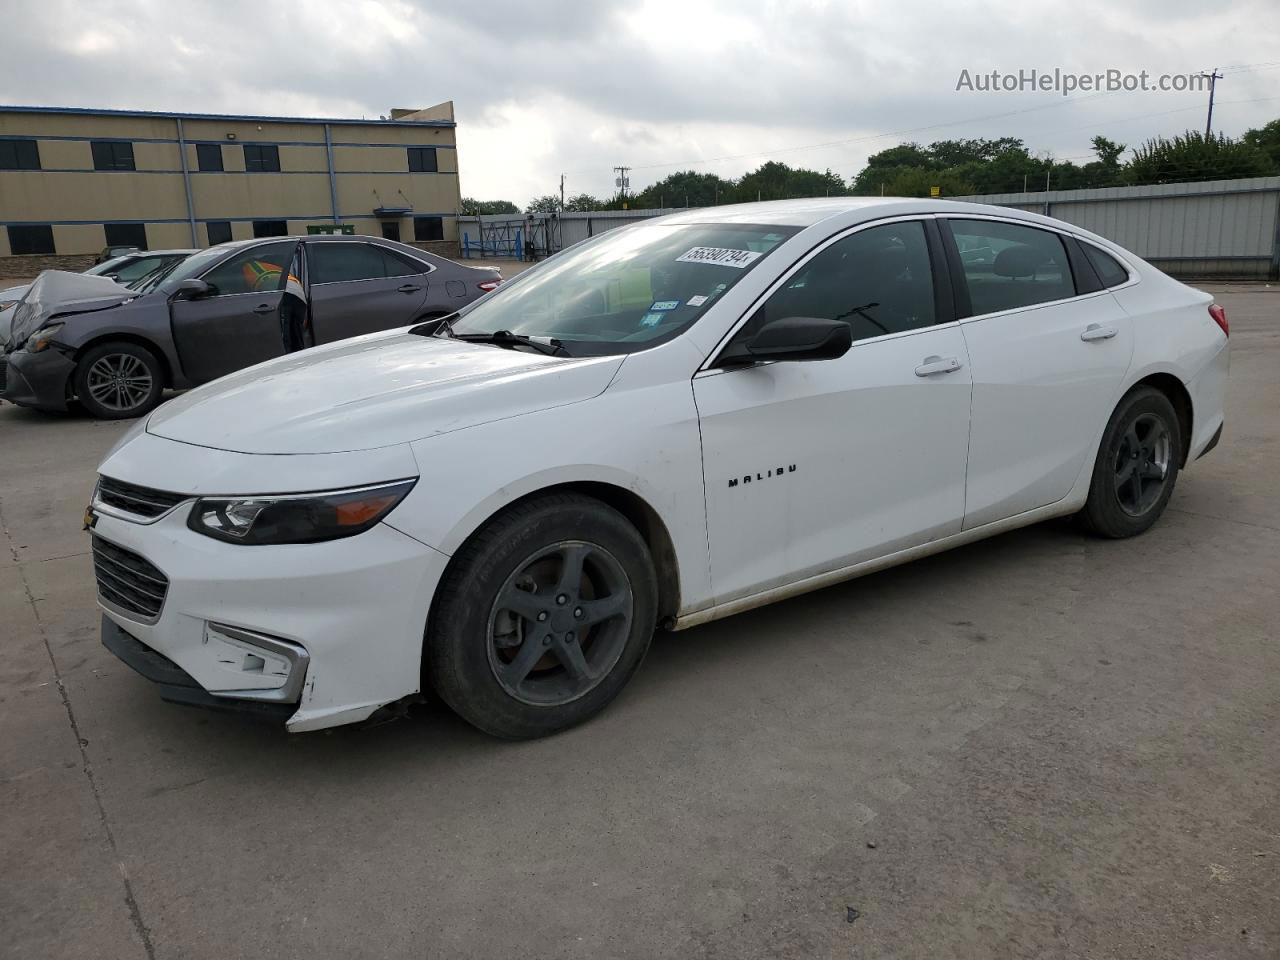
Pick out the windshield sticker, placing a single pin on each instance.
(697, 301)
(665, 304)
(651, 320)
(720, 256)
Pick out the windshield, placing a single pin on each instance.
(107, 266)
(626, 290)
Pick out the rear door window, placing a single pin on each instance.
(1007, 266)
(343, 262)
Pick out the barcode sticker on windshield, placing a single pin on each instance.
(720, 256)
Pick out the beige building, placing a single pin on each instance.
(75, 181)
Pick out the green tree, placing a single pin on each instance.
(474, 208)
(920, 181)
(777, 181)
(1267, 140)
(582, 203)
(1193, 156)
(1108, 151)
(548, 203)
(685, 188)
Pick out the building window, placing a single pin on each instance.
(391, 230)
(112, 155)
(219, 231)
(19, 155)
(428, 228)
(270, 228)
(422, 160)
(261, 158)
(31, 238)
(126, 235)
(209, 157)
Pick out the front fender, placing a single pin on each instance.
(643, 440)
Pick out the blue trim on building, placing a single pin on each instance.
(166, 115)
(255, 173)
(221, 143)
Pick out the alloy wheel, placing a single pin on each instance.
(559, 623)
(119, 382)
(1142, 464)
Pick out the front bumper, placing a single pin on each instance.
(36, 379)
(175, 684)
(352, 611)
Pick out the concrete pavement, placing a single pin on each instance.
(1041, 745)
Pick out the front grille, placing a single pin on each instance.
(131, 498)
(4, 374)
(127, 581)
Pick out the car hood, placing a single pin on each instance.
(374, 391)
(57, 292)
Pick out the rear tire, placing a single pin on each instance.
(542, 617)
(1136, 468)
(118, 381)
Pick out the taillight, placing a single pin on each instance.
(1219, 315)
(493, 285)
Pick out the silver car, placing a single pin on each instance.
(115, 349)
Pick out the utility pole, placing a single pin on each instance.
(622, 182)
(562, 193)
(1214, 76)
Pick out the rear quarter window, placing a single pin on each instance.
(1109, 269)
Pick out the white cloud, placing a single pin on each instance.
(581, 85)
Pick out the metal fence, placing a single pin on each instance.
(1214, 228)
(1222, 228)
(535, 235)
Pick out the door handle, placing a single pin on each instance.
(263, 308)
(1096, 331)
(408, 288)
(935, 365)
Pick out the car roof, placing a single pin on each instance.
(165, 253)
(309, 237)
(807, 212)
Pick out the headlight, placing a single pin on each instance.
(41, 339)
(298, 518)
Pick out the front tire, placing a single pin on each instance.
(1136, 467)
(542, 617)
(118, 381)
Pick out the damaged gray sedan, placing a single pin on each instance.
(114, 349)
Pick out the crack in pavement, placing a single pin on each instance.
(1209, 516)
(135, 913)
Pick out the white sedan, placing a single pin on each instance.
(669, 423)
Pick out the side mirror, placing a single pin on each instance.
(194, 289)
(792, 338)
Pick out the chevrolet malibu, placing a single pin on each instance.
(667, 424)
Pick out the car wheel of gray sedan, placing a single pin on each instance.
(1136, 468)
(117, 381)
(542, 617)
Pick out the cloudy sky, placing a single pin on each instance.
(578, 86)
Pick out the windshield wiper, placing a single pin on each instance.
(505, 338)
